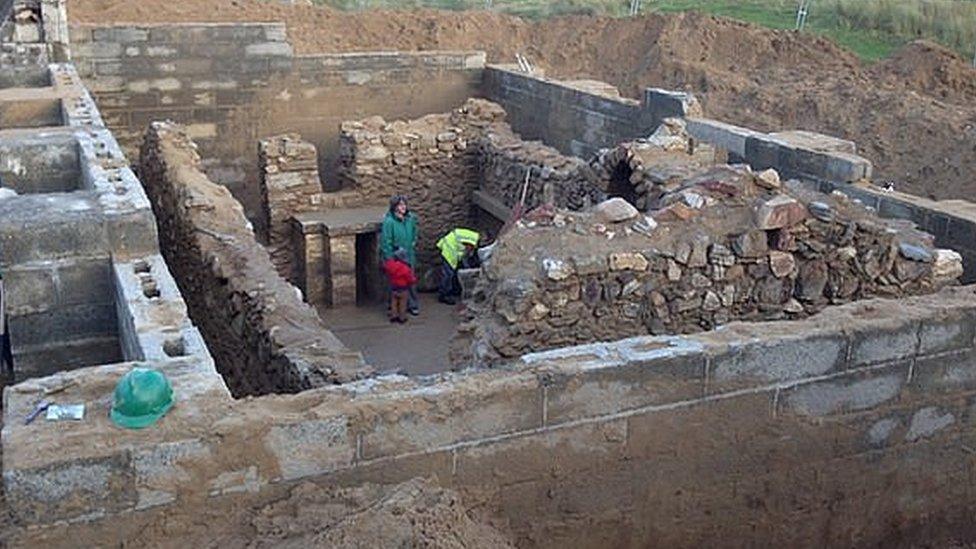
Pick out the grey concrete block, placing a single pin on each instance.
(896, 209)
(29, 290)
(124, 35)
(946, 373)
(727, 136)
(162, 470)
(961, 233)
(759, 362)
(452, 413)
(269, 49)
(892, 339)
(132, 234)
(845, 168)
(763, 152)
(655, 370)
(667, 103)
(85, 281)
(60, 226)
(60, 356)
(845, 394)
(64, 323)
(312, 447)
(954, 331)
(72, 489)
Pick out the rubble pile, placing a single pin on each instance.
(720, 244)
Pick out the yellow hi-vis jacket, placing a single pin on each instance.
(452, 244)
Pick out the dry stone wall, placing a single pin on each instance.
(433, 160)
(565, 181)
(262, 336)
(290, 185)
(726, 244)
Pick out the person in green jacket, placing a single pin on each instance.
(457, 250)
(399, 230)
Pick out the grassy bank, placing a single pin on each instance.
(870, 28)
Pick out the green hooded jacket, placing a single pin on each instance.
(399, 233)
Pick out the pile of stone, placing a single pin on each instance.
(722, 244)
(563, 181)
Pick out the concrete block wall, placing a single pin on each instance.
(576, 119)
(263, 338)
(740, 433)
(232, 84)
(799, 154)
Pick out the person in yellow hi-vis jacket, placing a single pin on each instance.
(457, 248)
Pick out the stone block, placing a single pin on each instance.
(310, 448)
(846, 393)
(449, 414)
(655, 370)
(760, 361)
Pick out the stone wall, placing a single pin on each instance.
(796, 153)
(232, 84)
(565, 181)
(433, 160)
(580, 117)
(290, 185)
(951, 222)
(725, 244)
(262, 336)
(738, 434)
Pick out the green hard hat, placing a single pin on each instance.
(142, 396)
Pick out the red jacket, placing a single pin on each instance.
(399, 273)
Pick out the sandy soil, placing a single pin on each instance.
(914, 115)
(413, 514)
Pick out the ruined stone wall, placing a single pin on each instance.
(232, 84)
(565, 181)
(951, 222)
(851, 428)
(579, 117)
(721, 247)
(262, 336)
(290, 185)
(433, 160)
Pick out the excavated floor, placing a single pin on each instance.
(418, 347)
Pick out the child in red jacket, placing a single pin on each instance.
(401, 278)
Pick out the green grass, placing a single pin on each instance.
(870, 28)
(870, 45)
